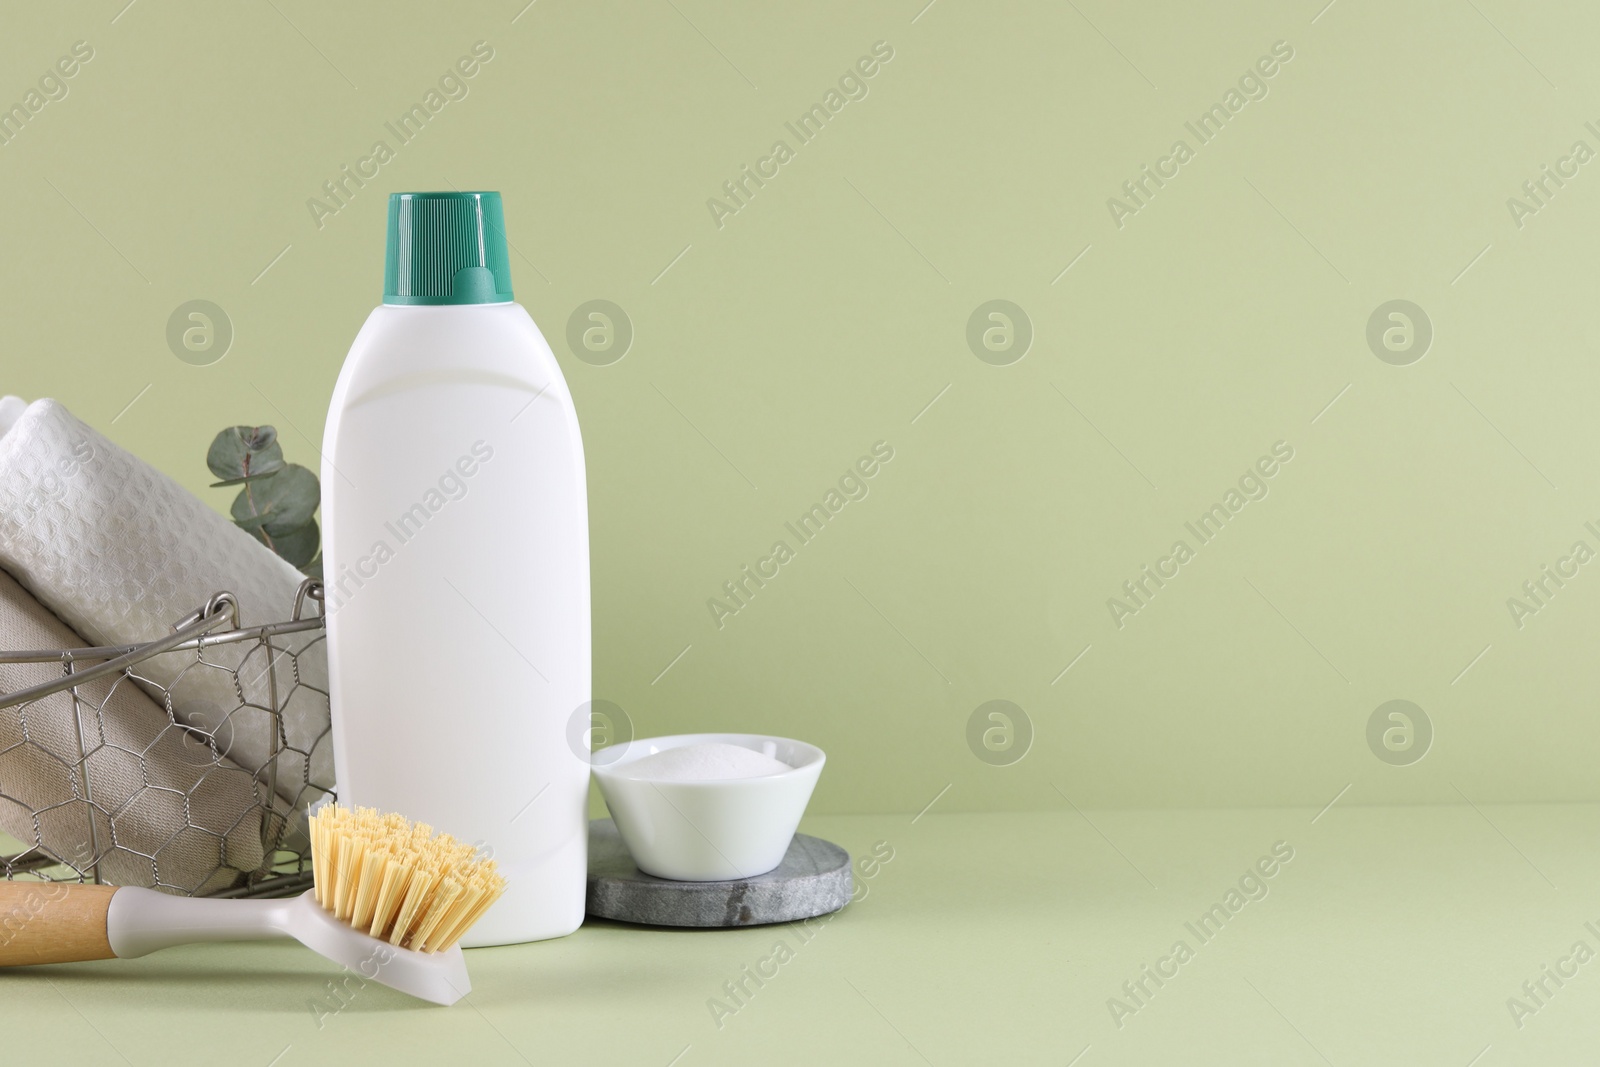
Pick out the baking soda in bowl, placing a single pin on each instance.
(709, 807)
(710, 761)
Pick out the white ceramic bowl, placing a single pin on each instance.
(709, 831)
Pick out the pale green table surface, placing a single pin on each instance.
(1393, 936)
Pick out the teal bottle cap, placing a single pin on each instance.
(446, 248)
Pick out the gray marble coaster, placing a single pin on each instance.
(813, 879)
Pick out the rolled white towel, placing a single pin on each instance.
(120, 552)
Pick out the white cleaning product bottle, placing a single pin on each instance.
(456, 565)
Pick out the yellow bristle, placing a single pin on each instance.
(439, 907)
(389, 896)
(366, 898)
(348, 854)
(319, 861)
(398, 880)
(414, 907)
(463, 914)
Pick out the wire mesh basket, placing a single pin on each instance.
(114, 798)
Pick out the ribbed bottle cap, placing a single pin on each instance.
(446, 248)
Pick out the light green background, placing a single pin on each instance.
(1223, 317)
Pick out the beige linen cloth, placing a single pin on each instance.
(120, 552)
(175, 822)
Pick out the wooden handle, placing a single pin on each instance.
(53, 922)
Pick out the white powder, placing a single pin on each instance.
(704, 762)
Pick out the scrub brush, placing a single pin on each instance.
(390, 900)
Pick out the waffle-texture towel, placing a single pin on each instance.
(109, 780)
(120, 552)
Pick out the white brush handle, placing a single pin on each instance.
(55, 922)
(141, 921)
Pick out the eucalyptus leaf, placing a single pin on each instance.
(280, 504)
(245, 451)
(279, 500)
(298, 546)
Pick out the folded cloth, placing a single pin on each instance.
(109, 781)
(120, 552)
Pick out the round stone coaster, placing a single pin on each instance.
(813, 879)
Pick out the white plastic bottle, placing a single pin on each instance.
(456, 565)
